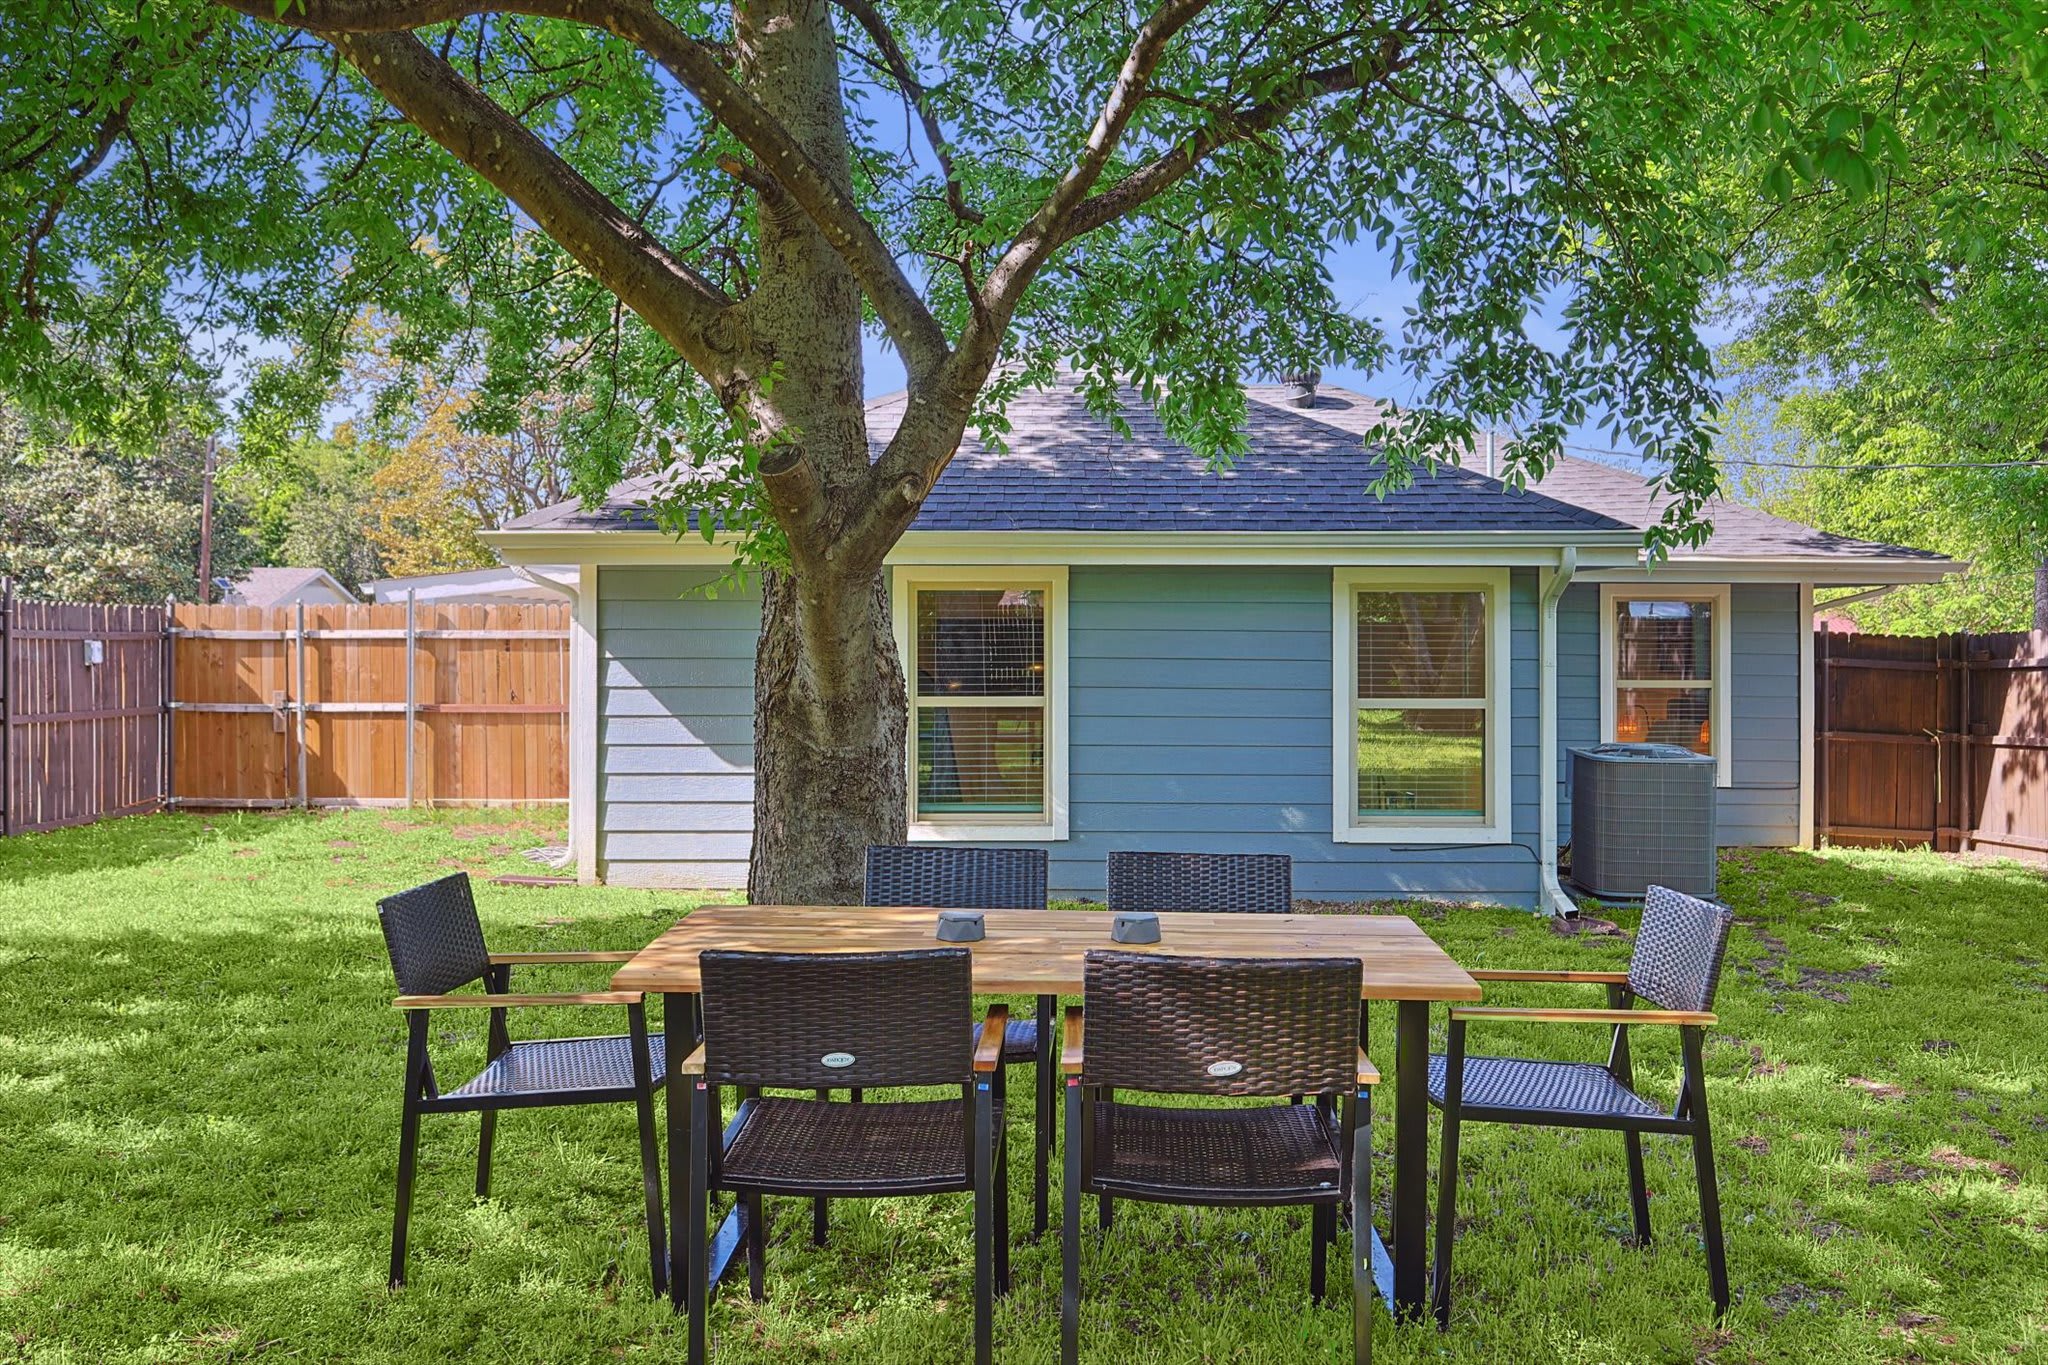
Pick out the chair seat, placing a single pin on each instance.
(792, 1146)
(1020, 1041)
(562, 1066)
(1273, 1154)
(1542, 1088)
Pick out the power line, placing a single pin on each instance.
(1841, 468)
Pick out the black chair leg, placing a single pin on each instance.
(1703, 1167)
(1321, 1221)
(417, 1074)
(757, 1248)
(1070, 1233)
(1000, 1158)
(1045, 1102)
(650, 1149)
(1447, 1175)
(1638, 1190)
(488, 1133)
(985, 1154)
(820, 1207)
(697, 1250)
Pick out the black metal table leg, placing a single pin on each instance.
(679, 1025)
(1411, 1158)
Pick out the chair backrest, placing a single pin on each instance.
(435, 938)
(1679, 948)
(953, 877)
(1259, 883)
(1221, 1026)
(810, 1021)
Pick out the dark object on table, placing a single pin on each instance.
(961, 926)
(953, 877)
(1134, 926)
(1263, 1028)
(1676, 966)
(437, 946)
(810, 1021)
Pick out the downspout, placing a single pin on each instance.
(1551, 894)
(568, 857)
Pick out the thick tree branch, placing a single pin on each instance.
(112, 126)
(676, 301)
(918, 95)
(699, 68)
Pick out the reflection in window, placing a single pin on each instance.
(978, 698)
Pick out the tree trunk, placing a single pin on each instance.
(829, 715)
(2041, 595)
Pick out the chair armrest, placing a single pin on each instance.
(552, 959)
(693, 1065)
(1695, 1017)
(1587, 978)
(498, 1002)
(1368, 1074)
(988, 1051)
(1070, 1042)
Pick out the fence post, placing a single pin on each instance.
(167, 693)
(6, 706)
(299, 645)
(411, 700)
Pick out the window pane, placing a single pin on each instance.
(1421, 644)
(1429, 762)
(980, 760)
(981, 642)
(1665, 715)
(1664, 640)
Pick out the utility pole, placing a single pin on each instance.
(206, 526)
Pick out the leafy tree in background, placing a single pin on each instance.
(709, 203)
(81, 522)
(1895, 317)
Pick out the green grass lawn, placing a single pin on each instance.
(199, 1107)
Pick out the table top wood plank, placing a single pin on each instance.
(1043, 952)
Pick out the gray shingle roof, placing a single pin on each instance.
(1306, 470)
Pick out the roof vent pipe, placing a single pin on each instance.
(1303, 382)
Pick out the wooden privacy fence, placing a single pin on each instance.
(81, 712)
(387, 705)
(1941, 740)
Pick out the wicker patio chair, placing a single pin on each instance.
(1210, 1027)
(816, 1021)
(955, 877)
(1257, 883)
(437, 947)
(1676, 966)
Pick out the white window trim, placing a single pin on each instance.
(1346, 826)
(1052, 578)
(1724, 653)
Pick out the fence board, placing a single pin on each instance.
(79, 740)
(488, 704)
(1941, 740)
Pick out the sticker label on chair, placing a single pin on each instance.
(838, 1061)
(1223, 1069)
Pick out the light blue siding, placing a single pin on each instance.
(1761, 804)
(1200, 714)
(676, 728)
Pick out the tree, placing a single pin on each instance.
(709, 203)
(1896, 315)
(82, 523)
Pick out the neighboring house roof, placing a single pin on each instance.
(1305, 469)
(282, 586)
(497, 583)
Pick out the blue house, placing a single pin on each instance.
(1111, 646)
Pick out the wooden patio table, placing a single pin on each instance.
(1043, 953)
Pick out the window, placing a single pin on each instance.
(984, 654)
(1421, 676)
(1664, 669)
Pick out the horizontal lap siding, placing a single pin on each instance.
(676, 728)
(1200, 716)
(1761, 806)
